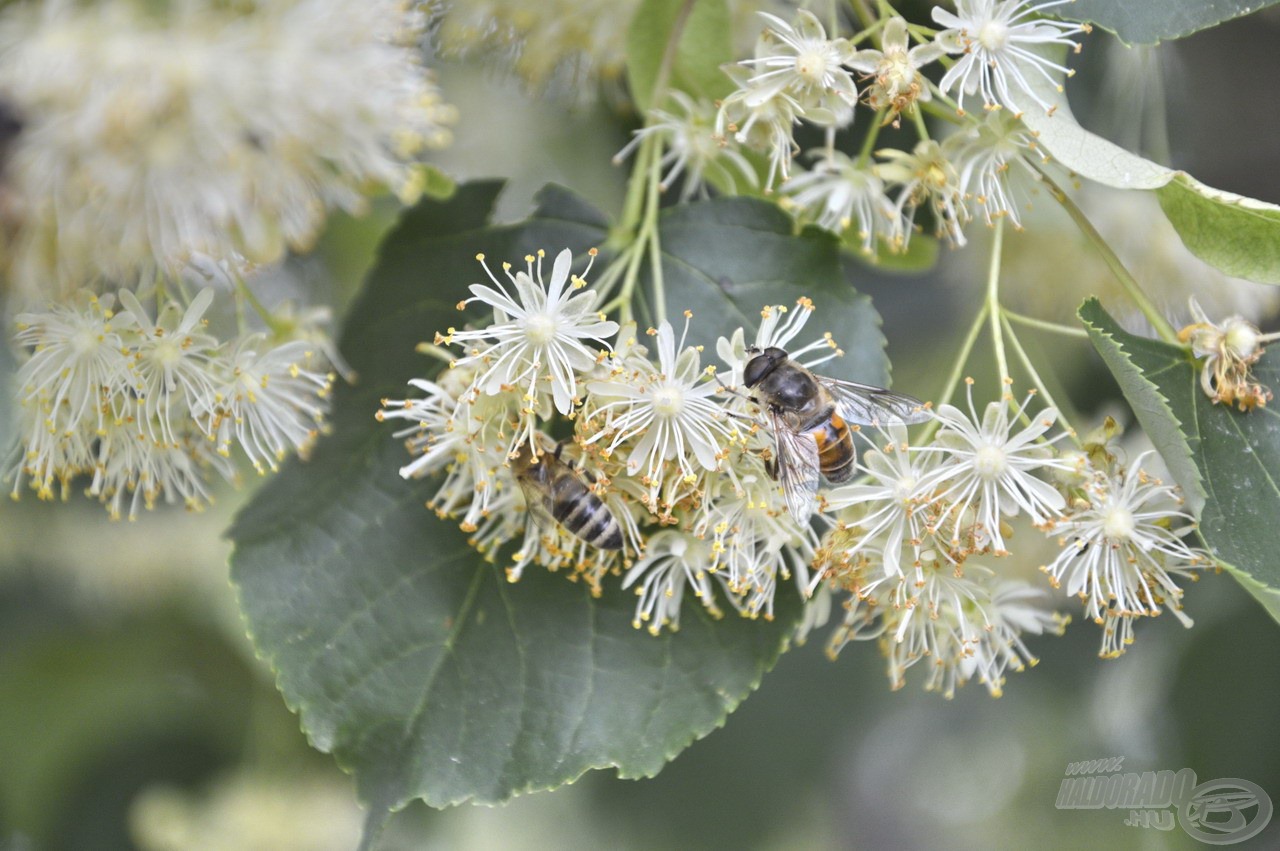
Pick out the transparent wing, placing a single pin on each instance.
(538, 515)
(867, 405)
(798, 470)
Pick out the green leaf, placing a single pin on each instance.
(1152, 21)
(1084, 153)
(705, 43)
(1236, 455)
(417, 664)
(1240, 236)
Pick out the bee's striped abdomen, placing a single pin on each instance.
(582, 512)
(836, 454)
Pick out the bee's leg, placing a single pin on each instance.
(771, 467)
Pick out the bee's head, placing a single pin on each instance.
(761, 364)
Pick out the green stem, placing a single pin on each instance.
(258, 308)
(869, 142)
(864, 14)
(1036, 380)
(993, 300)
(1041, 324)
(1127, 281)
(962, 358)
(917, 118)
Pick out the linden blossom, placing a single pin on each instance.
(998, 41)
(248, 166)
(1121, 551)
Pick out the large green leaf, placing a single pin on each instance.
(704, 43)
(416, 664)
(1152, 21)
(1236, 455)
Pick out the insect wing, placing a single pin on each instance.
(867, 405)
(537, 507)
(798, 469)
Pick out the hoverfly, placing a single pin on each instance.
(811, 417)
(557, 492)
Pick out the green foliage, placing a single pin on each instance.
(704, 45)
(1233, 233)
(1151, 22)
(409, 657)
(1238, 235)
(80, 700)
(1236, 455)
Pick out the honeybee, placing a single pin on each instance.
(554, 490)
(811, 417)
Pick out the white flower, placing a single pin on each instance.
(983, 156)
(838, 194)
(693, 148)
(960, 625)
(672, 563)
(79, 369)
(754, 541)
(799, 60)
(457, 429)
(895, 69)
(1122, 549)
(926, 177)
(891, 501)
(139, 471)
(538, 335)
(761, 123)
(151, 134)
(1000, 41)
(990, 471)
(273, 402)
(779, 325)
(665, 414)
(176, 367)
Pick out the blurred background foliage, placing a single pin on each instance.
(133, 713)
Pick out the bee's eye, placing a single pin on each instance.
(757, 368)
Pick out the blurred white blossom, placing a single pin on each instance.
(150, 138)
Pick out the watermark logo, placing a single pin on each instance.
(1216, 812)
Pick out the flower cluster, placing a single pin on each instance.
(149, 139)
(800, 74)
(917, 539)
(144, 408)
(671, 478)
(661, 447)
